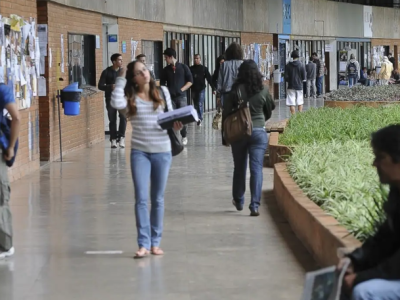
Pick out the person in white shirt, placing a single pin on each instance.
(137, 94)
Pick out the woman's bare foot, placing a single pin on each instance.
(142, 252)
(156, 251)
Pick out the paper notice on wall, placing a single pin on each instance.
(2, 75)
(62, 53)
(2, 36)
(134, 45)
(42, 66)
(42, 87)
(37, 58)
(3, 56)
(43, 38)
(50, 58)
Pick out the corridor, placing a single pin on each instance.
(75, 232)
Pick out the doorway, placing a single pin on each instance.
(327, 73)
(110, 46)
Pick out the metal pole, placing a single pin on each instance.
(59, 123)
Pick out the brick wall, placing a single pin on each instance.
(28, 158)
(87, 128)
(138, 30)
(259, 38)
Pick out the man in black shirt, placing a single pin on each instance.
(178, 78)
(200, 73)
(107, 84)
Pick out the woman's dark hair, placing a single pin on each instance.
(219, 59)
(234, 52)
(250, 77)
(131, 89)
(387, 140)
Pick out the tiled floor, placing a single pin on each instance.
(212, 251)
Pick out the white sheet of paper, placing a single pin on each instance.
(22, 77)
(62, 53)
(42, 87)
(50, 58)
(2, 74)
(43, 38)
(17, 73)
(3, 56)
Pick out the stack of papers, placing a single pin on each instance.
(186, 115)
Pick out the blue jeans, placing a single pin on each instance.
(352, 81)
(255, 147)
(319, 85)
(377, 289)
(149, 168)
(198, 101)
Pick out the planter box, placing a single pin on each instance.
(276, 152)
(320, 233)
(348, 104)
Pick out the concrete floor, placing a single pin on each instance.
(212, 251)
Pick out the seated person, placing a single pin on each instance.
(396, 75)
(364, 77)
(374, 272)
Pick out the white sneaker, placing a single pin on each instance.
(184, 141)
(8, 253)
(122, 142)
(113, 144)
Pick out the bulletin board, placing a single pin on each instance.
(20, 58)
(262, 54)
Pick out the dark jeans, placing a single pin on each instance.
(112, 117)
(198, 101)
(178, 103)
(319, 85)
(253, 147)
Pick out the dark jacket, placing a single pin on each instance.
(320, 67)
(311, 69)
(215, 77)
(175, 80)
(106, 81)
(200, 73)
(261, 107)
(379, 256)
(295, 74)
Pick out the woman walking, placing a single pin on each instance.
(137, 94)
(250, 84)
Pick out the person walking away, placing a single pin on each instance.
(107, 84)
(374, 272)
(200, 74)
(353, 70)
(250, 84)
(229, 69)
(320, 74)
(142, 59)
(7, 102)
(295, 75)
(136, 93)
(311, 70)
(219, 62)
(386, 71)
(178, 78)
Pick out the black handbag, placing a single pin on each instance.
(176, 143)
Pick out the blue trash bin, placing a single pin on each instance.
(71, 99)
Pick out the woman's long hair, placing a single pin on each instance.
(250, 77)
(234, 52)
(131, 89)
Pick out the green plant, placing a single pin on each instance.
(338, 176)
(327, 124)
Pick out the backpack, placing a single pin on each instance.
(5, 131)
(352, 68)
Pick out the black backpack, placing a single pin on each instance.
(352, 68)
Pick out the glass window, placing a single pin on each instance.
(82, 59)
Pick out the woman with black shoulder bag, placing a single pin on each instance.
(151, 154)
